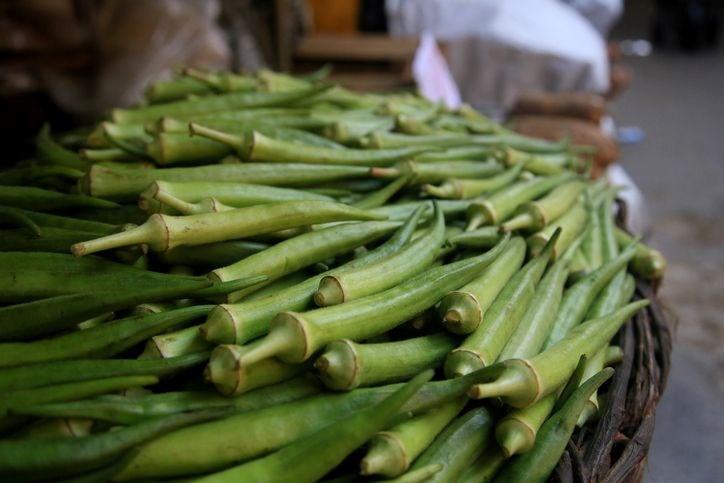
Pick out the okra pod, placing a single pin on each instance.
(499, 206)
(295, 253)
(211, 255)
(53, 153)
(98, 342)
(379, 197)
(458, 445)
(648, 262)
(385, 273)
(175, 89)
(571, 224)
(255, 146)
(470, 188)
(239, 323)
(424, 173)
(522, 382)
(535, 215)
(39, 199)
(129, 410)
(224, 102)
(62, 372)
(162, 232)
(482, 347)
(53, 459)
(537, 464)
(463, 310)
(294, 337)
(216, 445)
(484, 237)
(314, 456)
(126, 184)
(392, 451)
(174, 344)
(345, 365)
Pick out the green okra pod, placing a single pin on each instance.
(33, 174)
(68, 223)
(462, 311)
(535, 215)
(169, 148)
(469, 152)
(392, 451)
(345, 365)
(224, 102)
(56, 429)
(98, 342)
(241, 322)
(537, 464)
(578, 298)
(49, 151)
(384, 273)
(522, 382)
(470, 188)
(294, 337)
(501, 205)
(175, 89)
(314, 456)
(230, 193)
(424, 173)
(129, 410)
(174, 344)
(72, 391)
(52, 459)
(61, 372)
(484, 237)
(572, 224)
(648, 262)
(216, 445)
(211, 255)
(230, 379)
(482, 347)
(381, 196)
(45, 316)
(39, 199)
(223, 81)
(53, 240)
(458, 445)
(485, 467)
(303, 250)
(127, 184)
(256, 146)
(402, 211)
(162, 232)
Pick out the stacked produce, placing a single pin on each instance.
(269, 278)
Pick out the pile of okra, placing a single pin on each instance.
(268, 278)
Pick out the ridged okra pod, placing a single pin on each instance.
(162, 232)
(241, 322)
(578, 298)
(392, 451)
(485, 467)
(648, 262)
(482, 347)
(216, 445)
(314, 456)
(102, 341)
(39, 459)
(345, 365)
(39, 199)
(372, 278)
(60, 372)
(294, 337)
(438, 172)
(255, 146)
(572, 224)
(470, 188)
(458, 445)
(500, 205)
(537, 464)
(174, 344)
(224, 102)
(463, 310)
(127, 184)
(127, 410)
(484, 237)
(535, 215)
(523, 382)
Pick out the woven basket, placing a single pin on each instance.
(615, 449)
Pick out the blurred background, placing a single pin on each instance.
(639, 80)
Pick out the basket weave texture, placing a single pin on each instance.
(615, 449)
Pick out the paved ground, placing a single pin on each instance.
(678, 99)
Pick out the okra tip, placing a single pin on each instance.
(338, 366)
(518, 384)
(330, 292)
(461, 362)
(514, 437)
(220, 325)
(387, 456)
(461, 312)
(224, 370)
